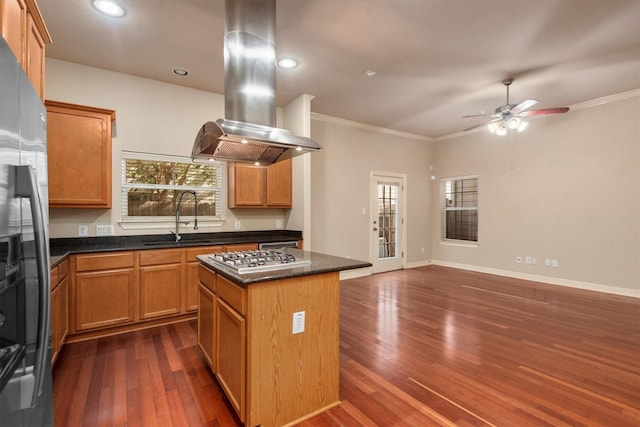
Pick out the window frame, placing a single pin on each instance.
(151, 222)
(444, 209)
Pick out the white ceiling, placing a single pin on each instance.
(436, 60)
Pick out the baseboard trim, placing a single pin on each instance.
(359, 272)
(543, 279)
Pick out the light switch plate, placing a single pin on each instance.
(83, 230)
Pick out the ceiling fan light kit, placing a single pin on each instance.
(511, 116)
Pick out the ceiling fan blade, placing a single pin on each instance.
(482, 115)
(527, 103)
(557, 110)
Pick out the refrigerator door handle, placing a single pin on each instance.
(26, 185)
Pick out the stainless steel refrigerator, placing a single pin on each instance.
(25, 346)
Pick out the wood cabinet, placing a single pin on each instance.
(231, 354)
(278, 188)
(207, 306)
(23, 28)
(59, 307)
(79, 155)
(241, 247)
(104, 290)
(260, 186)
(193, 281)
(160, 283)
(256, 353)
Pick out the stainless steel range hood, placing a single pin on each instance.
(248, 133)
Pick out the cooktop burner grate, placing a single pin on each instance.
(258, 261)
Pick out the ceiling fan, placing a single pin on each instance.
(511, 116)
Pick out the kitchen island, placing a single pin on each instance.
(271, 338)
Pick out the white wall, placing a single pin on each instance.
(340, 181)
(568, 188)
(151, 117)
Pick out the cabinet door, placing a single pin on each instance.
(63, 311)
(34, 45)
(13, 22)
(79, 147)
(160, 290)
(279, 184)
(246, 186)
(104, 298)
(206, 325)
(231, 355)
(55, 316)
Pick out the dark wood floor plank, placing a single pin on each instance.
(430, 346)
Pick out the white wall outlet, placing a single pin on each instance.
(298, 322)
(554, 263)
(527, 260)
(278, 224)
(104, 230)
(547, 262)
(519, 259)
(83, 230)
(237, 225)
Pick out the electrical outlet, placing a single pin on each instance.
(237, 225)
(547, 262)
(278, 224)
(104, 230)
(298, 322)
(83, 230)
(554, 263)
(527, 260)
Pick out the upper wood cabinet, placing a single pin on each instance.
(260, 186)
(79, 146)
(21, 25)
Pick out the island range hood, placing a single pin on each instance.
(248, 133)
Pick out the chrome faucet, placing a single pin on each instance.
(195, 225)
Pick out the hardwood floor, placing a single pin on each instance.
(419, 347)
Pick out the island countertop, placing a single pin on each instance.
(320, 263)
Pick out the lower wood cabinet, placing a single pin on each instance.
(59, 308)
(231, 355)
(118, 291)
(271, 376)
(160, 283)
(206, 325)
(104, 290)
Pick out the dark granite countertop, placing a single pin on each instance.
(62, 247)
(320, 263)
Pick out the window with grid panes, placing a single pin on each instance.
(460, 209)
(151, 185)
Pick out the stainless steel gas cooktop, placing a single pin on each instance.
(257, 261)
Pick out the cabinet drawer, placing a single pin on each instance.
(207, 278)
(160, 256)
(232, 294)
(241, 247)
(104, 261)
(192, 253)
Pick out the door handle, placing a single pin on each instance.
(375, 228)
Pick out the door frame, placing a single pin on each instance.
(374, 177)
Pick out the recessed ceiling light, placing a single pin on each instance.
(109, 8)
(287, 63)
(181, 72)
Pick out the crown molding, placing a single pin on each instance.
(350, 123)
